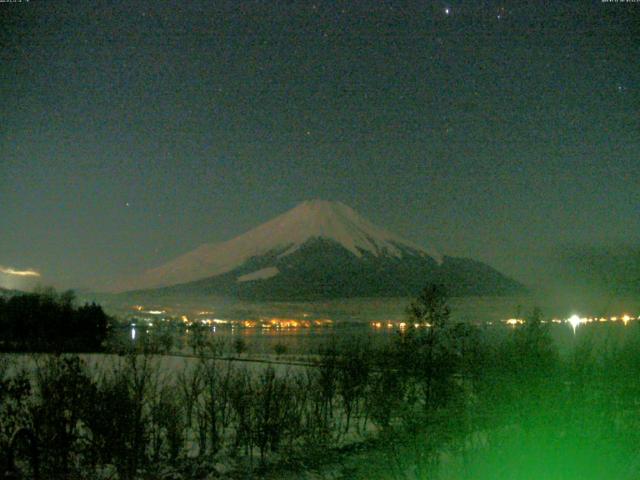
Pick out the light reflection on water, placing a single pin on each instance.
(306, 340)
(303, 326)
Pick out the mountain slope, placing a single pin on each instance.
(319, 249)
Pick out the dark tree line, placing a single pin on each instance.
(50, 322)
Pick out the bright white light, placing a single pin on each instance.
(133, 333)
(574, 320)
(447, 11)
(19, 273)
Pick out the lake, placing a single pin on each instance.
(303, 326)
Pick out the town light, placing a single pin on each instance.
(574, 321)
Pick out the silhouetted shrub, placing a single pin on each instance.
(239, 346)
(280, 349)
(59, 417)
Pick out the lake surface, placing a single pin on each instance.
(303, 326)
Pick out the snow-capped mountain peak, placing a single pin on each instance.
(333, 221)
(284, 234)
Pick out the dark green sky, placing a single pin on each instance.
(131, 133)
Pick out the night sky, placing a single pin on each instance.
(134, 132)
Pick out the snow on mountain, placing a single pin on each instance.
(261, 274)
(283, 235)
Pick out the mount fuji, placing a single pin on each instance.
(319, 249)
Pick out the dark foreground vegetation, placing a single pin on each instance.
(46, 321)
(443, 402)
